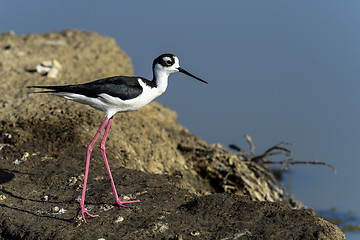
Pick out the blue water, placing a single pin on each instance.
(346, 221)
(352, 236)
(343, 219)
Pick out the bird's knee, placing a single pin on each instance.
(102, 147)
(89, 149)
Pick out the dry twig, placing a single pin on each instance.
(277, 149)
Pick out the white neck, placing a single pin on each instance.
(161, 78)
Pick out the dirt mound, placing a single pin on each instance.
(42, 157)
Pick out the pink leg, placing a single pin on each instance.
(89, 150)
(102, 149)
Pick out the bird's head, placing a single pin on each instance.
(167, 64)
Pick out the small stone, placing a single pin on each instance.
(53, 73)
(22, 159)
(195, 233)
(58, 111)
(48, 67)
(7, 135)
(127, 197)
(56, 64)
(55, 209)
(45, 198)
(2, 197)
(119, 219)
(17, 162)
(61, 211)
(42, 69)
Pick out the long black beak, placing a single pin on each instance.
(189, 74)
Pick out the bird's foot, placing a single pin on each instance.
(121, 203)
(83, 212)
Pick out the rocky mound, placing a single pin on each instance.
(188, 189)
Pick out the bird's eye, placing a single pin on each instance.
(169, 62)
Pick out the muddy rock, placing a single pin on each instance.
(187, 188)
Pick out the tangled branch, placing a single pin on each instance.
(278, 149)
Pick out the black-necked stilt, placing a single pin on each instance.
(118, 94)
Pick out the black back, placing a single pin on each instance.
(122, 87)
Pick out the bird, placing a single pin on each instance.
(117, 94)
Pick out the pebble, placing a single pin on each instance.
(45, 198)
(195, 233)
(50, 68)
(22, 159)
(42, 69)
(55, 209)
(61, 211)
(53, 73)
(6, 134)
(119, 219)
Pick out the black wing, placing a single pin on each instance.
(119, 86)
